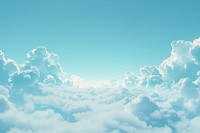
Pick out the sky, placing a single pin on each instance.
(57, 59)
(97, 39)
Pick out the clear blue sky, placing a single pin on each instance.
(98, 39)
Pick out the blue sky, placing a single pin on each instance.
(97, 39)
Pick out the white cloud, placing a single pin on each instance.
(7, 68)
(160, 99)
(188, 89)
(195, 51)
(188, 126)
(46, 63)
(25, 78)
(179, 64)
(182, 63)
(142, 107)
(82, 110)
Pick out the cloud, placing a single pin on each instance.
(182, 63)
(195, 51)
(4, 91)
(188, 89)
(131, 80)
(5, 103)
(150, 76)
(7, 68)
(163, 98)
(41, 67)
(47, 64)
(179, 64)
(192, 126)
(25, 78)
(80, 112)
(142, 107)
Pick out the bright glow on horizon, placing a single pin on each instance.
(97, 39)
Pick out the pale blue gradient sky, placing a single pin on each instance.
(98, 39)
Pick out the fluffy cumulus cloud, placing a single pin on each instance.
(39, 67)
(182, 63)
(7, 68)
(38, 96)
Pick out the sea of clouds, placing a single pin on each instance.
(39, 97)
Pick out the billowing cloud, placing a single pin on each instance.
(143, 107)
(195, 51)
(182, 63)
(40, 67)
(25, 78)
(162, 98)
(43, 61)
(47, 64)
(7, 68)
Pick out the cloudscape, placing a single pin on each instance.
(38, 96)
(99, 66)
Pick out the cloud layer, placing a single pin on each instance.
(38, 96)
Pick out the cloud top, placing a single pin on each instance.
(163, 98)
